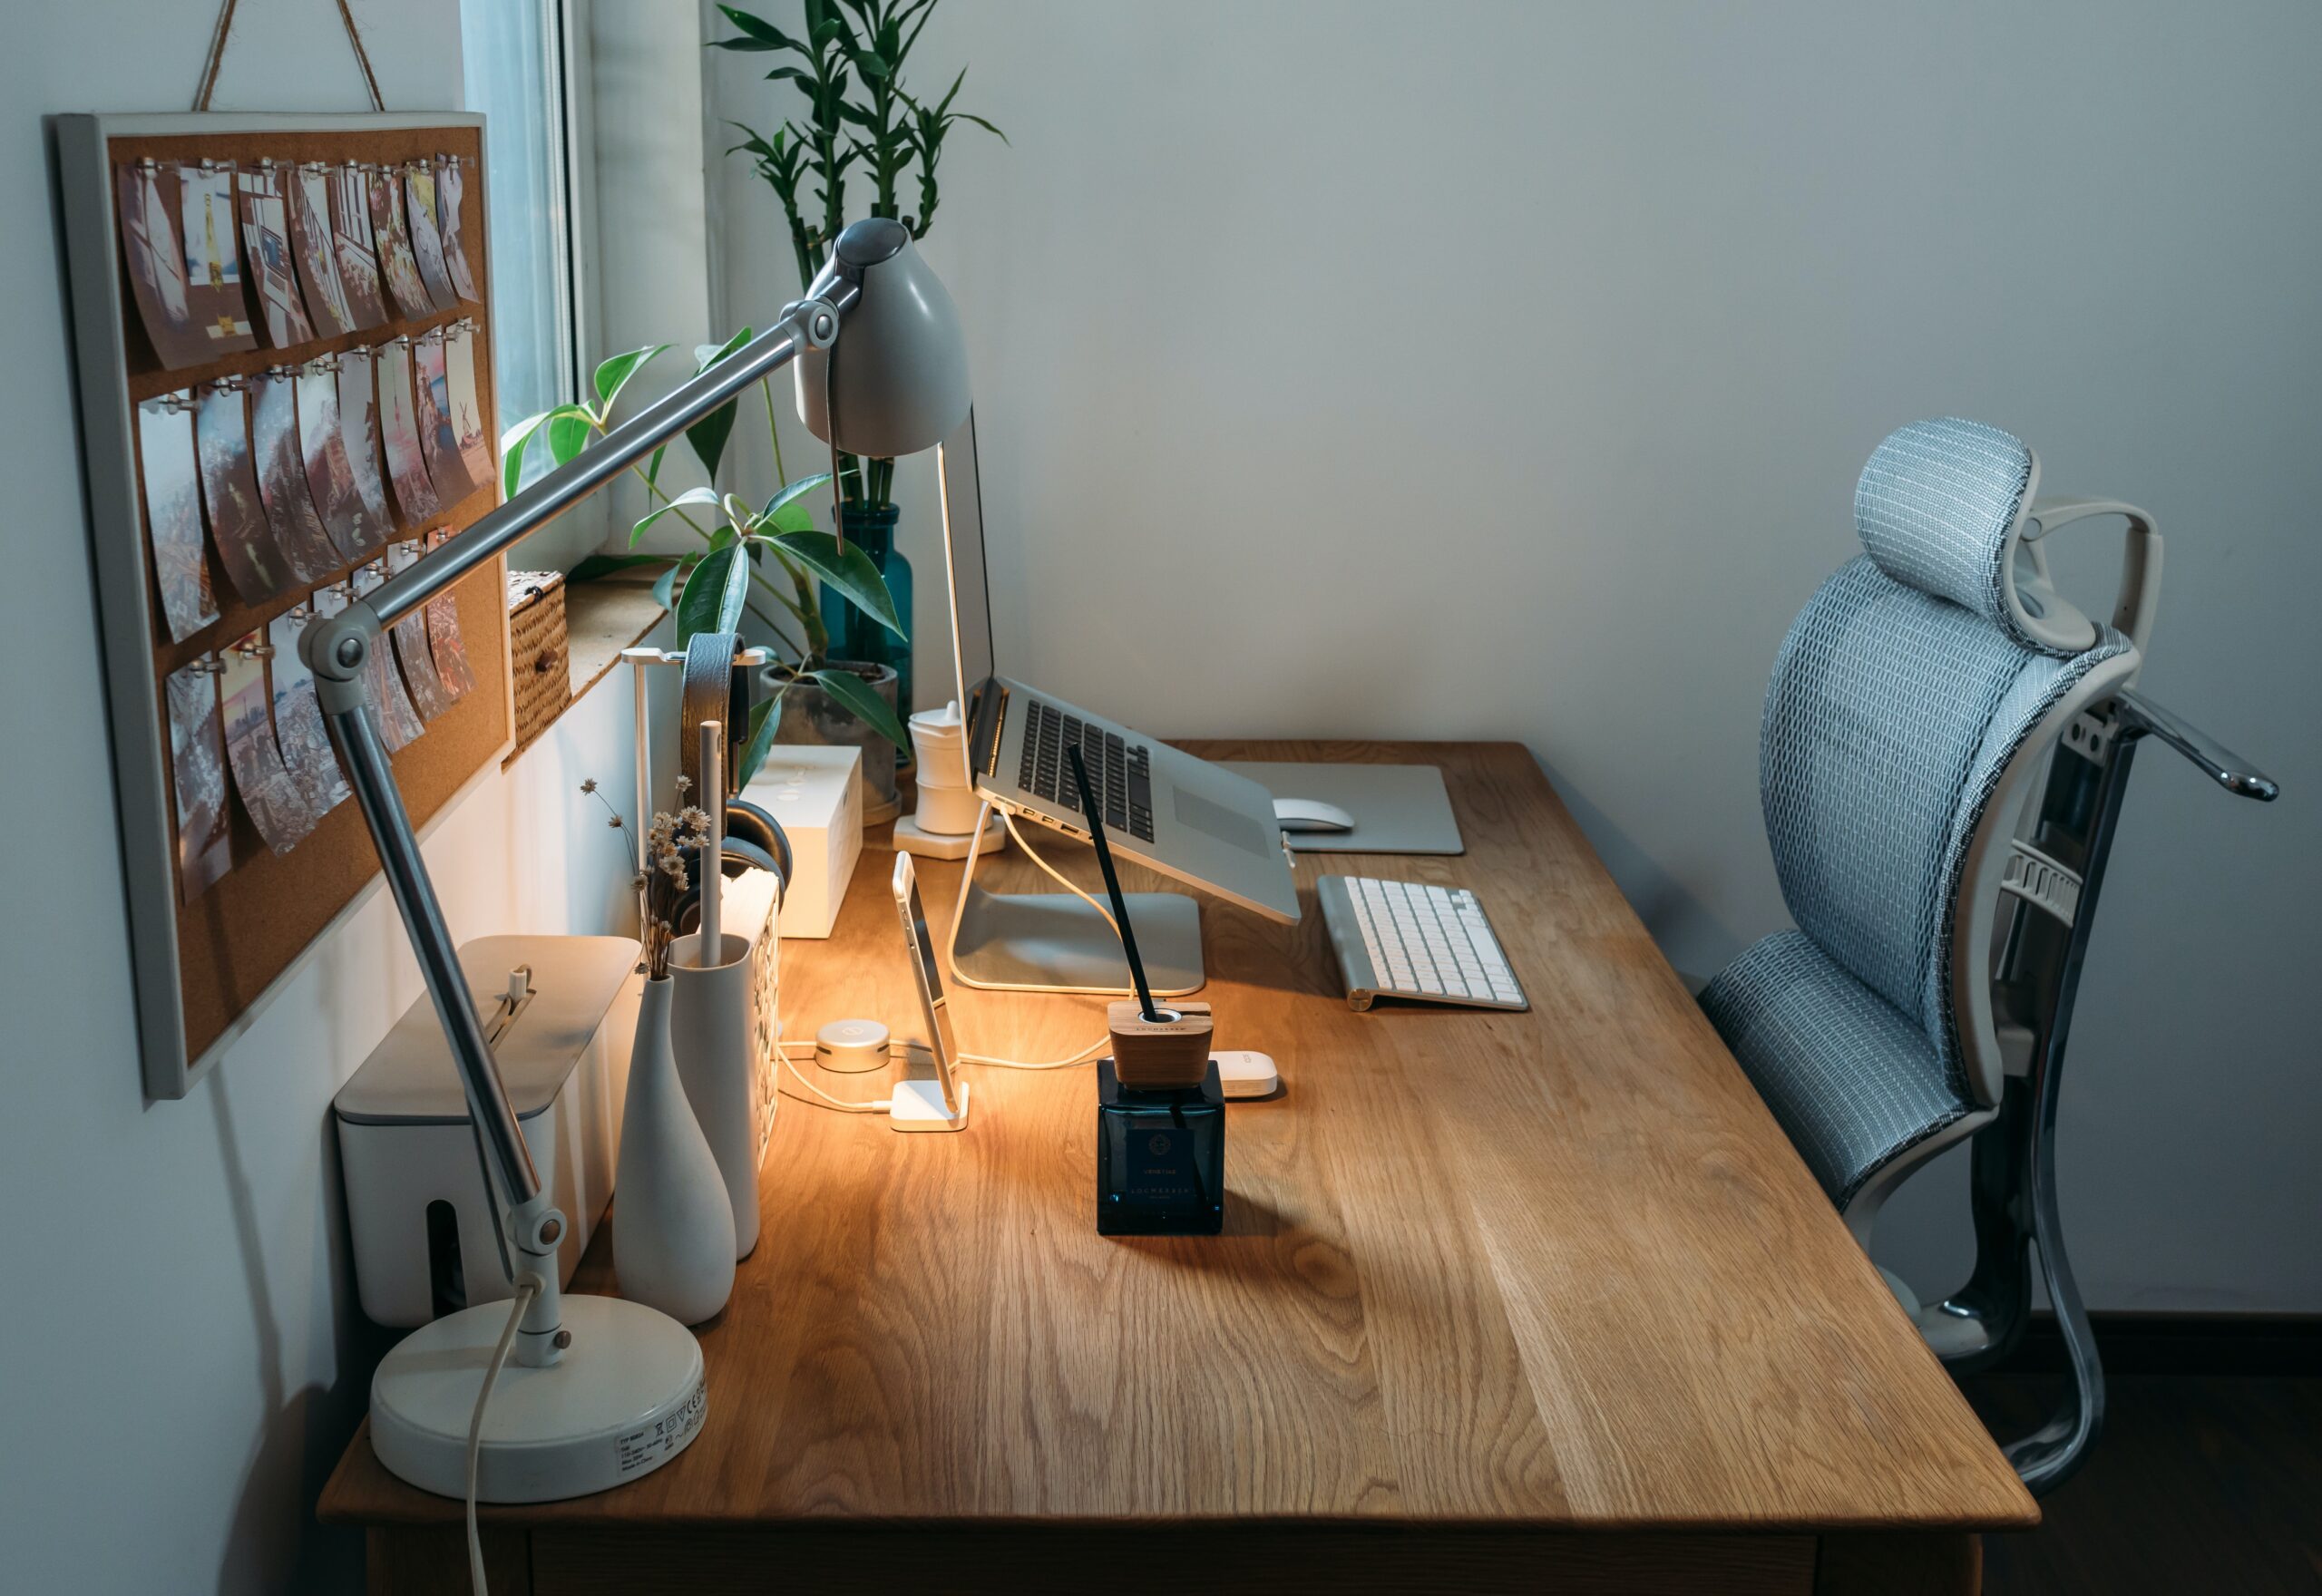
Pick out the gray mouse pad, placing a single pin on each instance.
(1396, 808)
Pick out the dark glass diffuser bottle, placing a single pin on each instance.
(1160, 1157)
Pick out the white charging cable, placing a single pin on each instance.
(808, 1048)
(1056, 876)
(879, 1105)
(525, 1292)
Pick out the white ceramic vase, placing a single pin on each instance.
(673, 1224)
(712, 1023)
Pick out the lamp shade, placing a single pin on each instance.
(897, 375)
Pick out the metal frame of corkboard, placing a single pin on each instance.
(204, 971)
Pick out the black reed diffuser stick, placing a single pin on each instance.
(1112, 883)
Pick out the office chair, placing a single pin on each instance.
(1942, 760)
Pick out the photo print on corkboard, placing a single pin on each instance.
(282, 476)
(306, 191)
(399, 722)
(266, 230)
(444, 640)
(145, 192)
(172, 477)
(213, 264)
(254, 562)
(271, 798)
(466, 414)
(399, 435)
(428, 693)
(426, 241)
(396, 262)
(350, 231)
(358, 423)
(198, 772)
(298, 727)
(439, 442)
(330, 474)
(451, 187)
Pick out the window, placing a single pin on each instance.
(514, 60)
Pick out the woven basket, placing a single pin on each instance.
(539, 651)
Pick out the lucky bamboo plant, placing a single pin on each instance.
(762, 560)
(850, 68)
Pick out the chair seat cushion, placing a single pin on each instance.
(1853, 1080)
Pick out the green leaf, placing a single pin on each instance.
(761, 35)
(987, 127)
(567, 432)
(846, 567)
(613, 375)
(765, 718)
(665, 586)
(793, 492)
(690, 496)
(708, 435)
(793, 517)
(511, 451)
(871, 710)
(735, 594)
(701, 603)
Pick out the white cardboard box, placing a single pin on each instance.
(815, 796)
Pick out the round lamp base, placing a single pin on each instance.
(626, 1396)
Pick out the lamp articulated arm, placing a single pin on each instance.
(338, 649)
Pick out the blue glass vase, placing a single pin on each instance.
(854, 634)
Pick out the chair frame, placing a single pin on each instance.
(2015, 977)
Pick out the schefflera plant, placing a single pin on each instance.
(763, 561)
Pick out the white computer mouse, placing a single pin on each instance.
(1308, 814)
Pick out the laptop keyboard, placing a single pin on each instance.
(1120, 772)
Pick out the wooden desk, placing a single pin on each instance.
(1524, 1301)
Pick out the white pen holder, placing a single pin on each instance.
(713, 1029)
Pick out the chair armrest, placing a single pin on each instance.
(2140, 595)
(2139, 716)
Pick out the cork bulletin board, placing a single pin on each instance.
(218, 919)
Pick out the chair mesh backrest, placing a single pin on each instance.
(1892, 714)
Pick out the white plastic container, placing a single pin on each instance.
(416, 1206)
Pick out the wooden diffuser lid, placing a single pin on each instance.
(1170, 1053)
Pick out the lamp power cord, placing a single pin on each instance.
(526, 1290)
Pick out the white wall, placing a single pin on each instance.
(181, 1360)
(1504, 370)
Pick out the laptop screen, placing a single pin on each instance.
(962, 502)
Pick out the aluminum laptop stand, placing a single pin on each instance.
(1057, 942)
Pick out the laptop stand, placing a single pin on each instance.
(1055, 942)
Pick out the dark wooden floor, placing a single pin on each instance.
(2200, 1482)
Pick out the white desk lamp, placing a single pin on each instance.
(598, 1390)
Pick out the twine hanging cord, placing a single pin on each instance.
(208, 84)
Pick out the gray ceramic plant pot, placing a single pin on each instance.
(812, 717)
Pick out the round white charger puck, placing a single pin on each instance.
(851, 1046)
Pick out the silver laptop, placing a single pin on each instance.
(1184, 816)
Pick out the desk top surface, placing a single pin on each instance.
(1554, 1268)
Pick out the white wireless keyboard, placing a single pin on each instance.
(1403, 940)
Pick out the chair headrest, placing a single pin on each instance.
(1941, 506)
